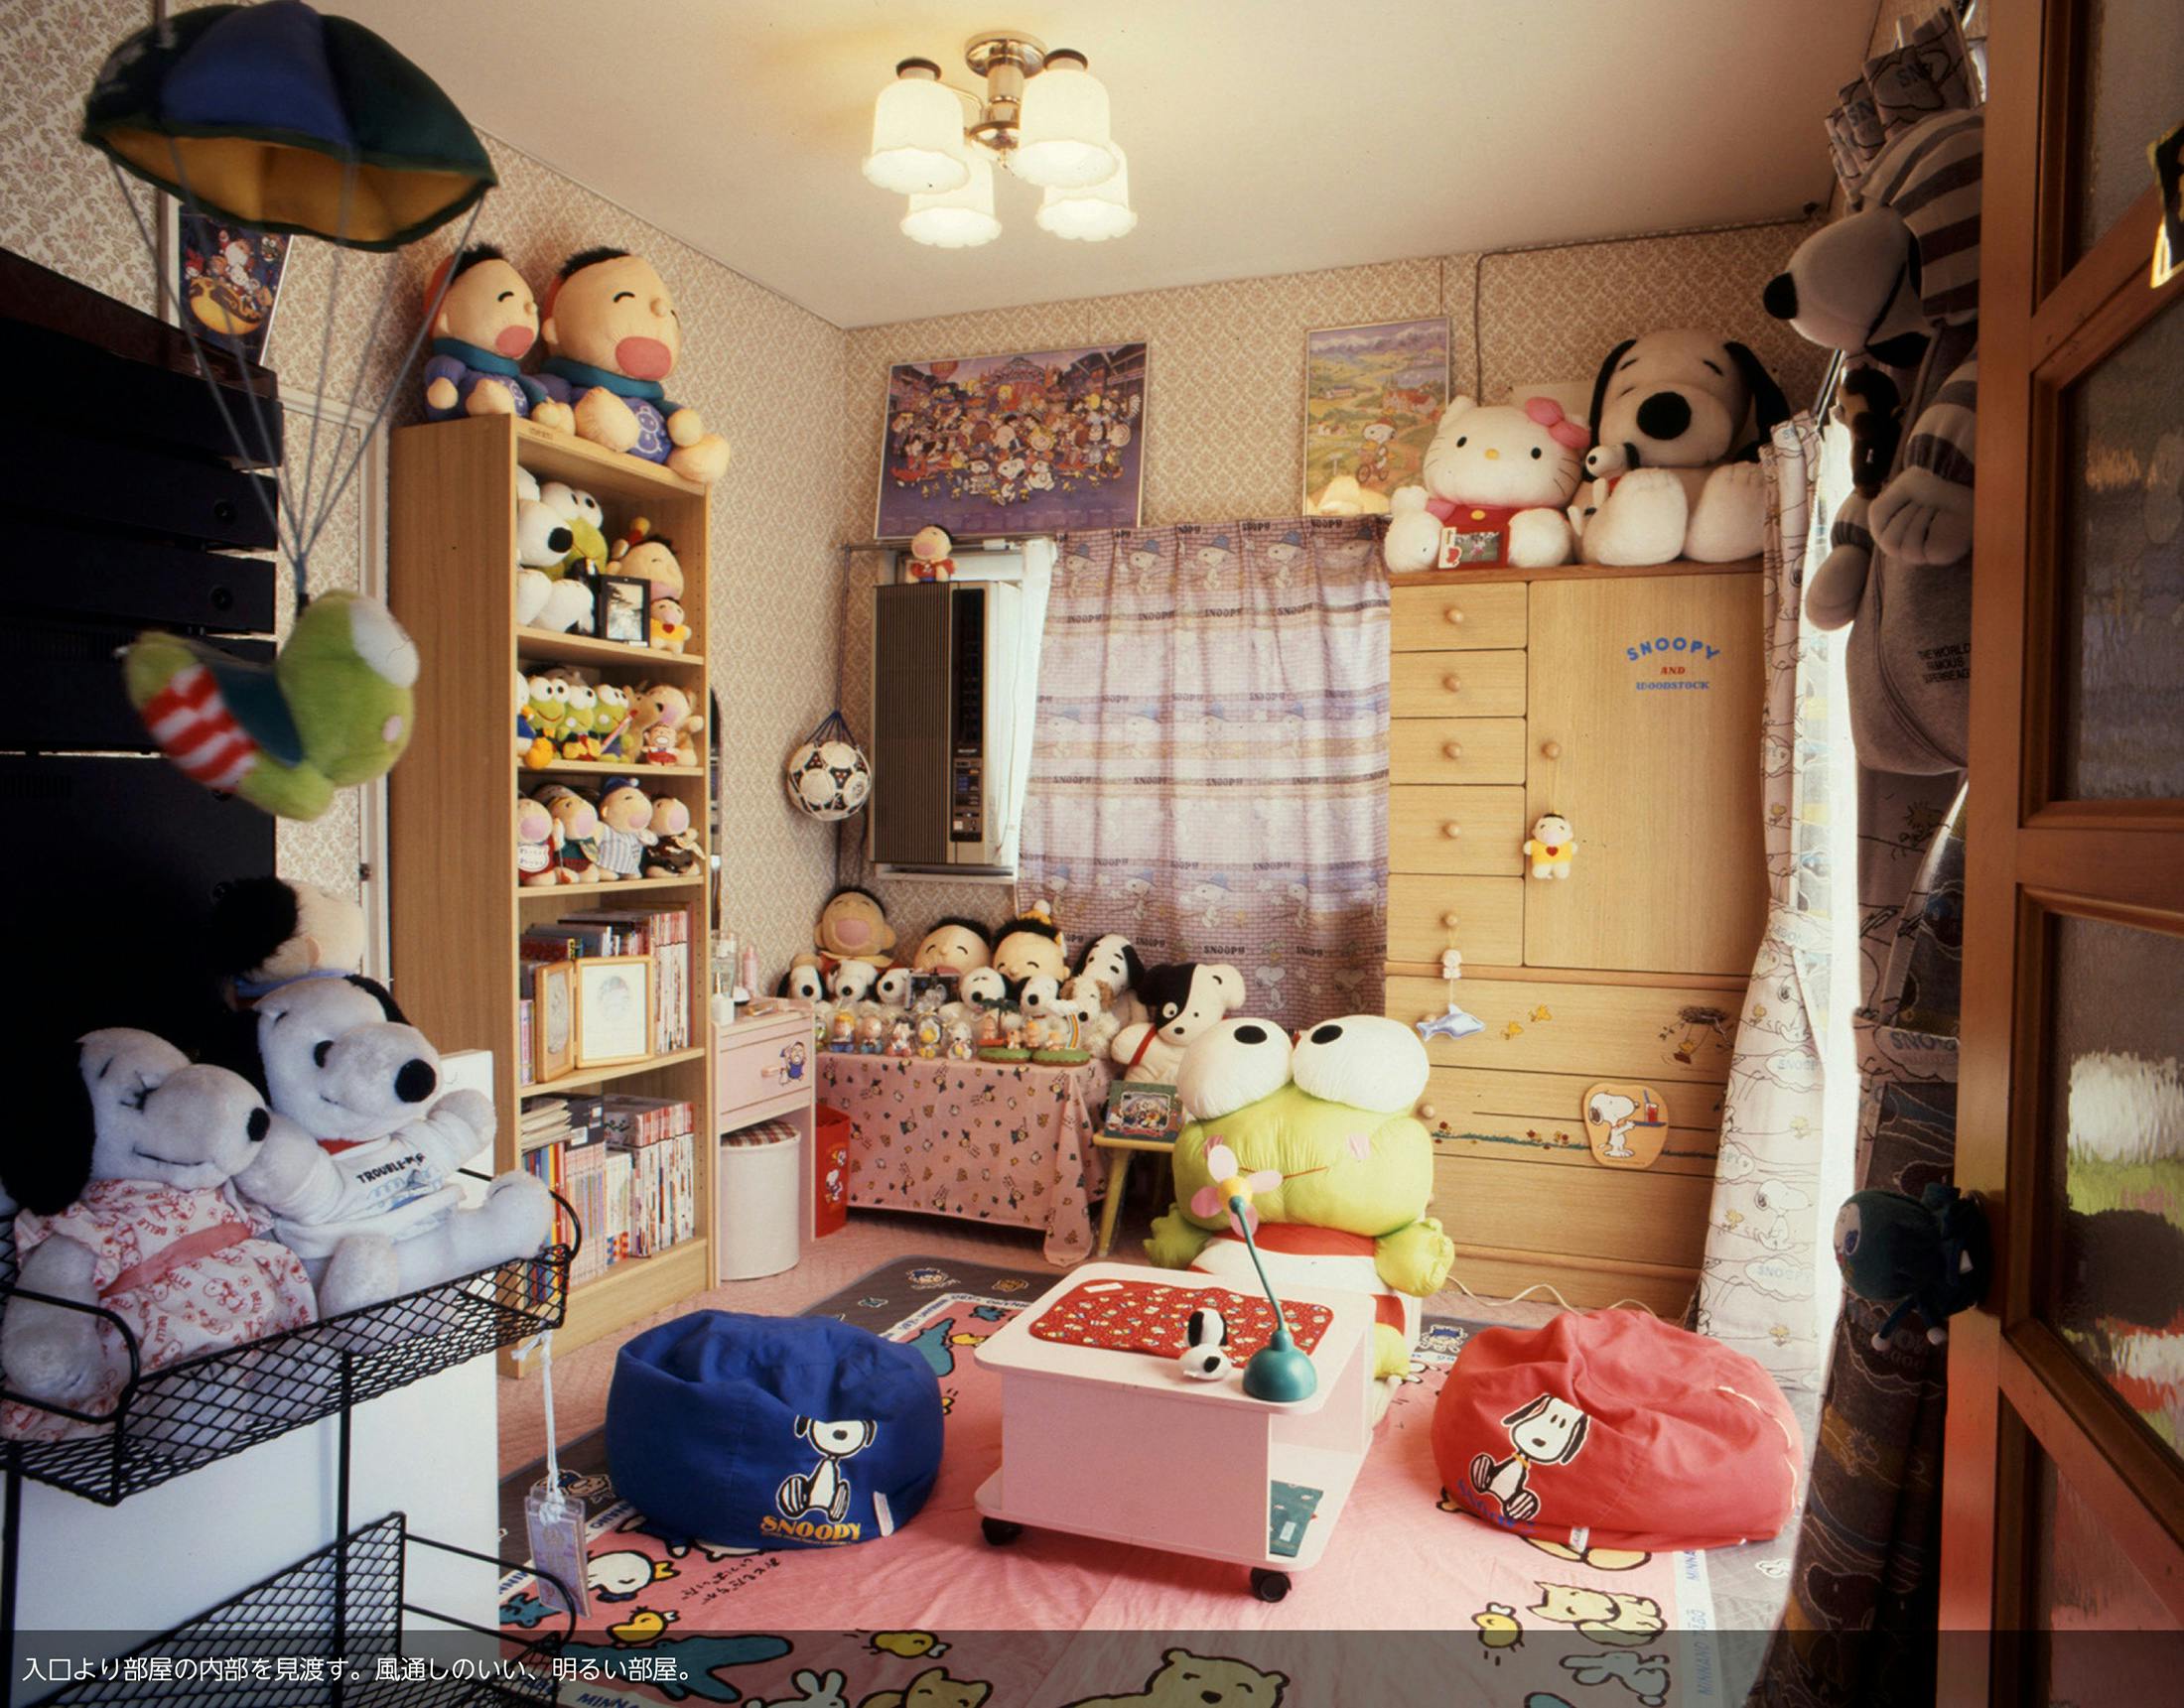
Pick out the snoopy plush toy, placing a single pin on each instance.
(372, 1207)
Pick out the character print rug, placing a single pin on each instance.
(1413, 1602)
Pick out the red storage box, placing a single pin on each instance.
(829, 1170)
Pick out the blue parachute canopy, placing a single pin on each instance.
(282, 119)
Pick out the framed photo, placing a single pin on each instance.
(613, 1019)
(1141, 1111)
(553, 1020)
(1035, 442)
(227, 280)
(624, 609)
(1372, 398)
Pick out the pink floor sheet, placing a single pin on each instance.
(1056, 1620)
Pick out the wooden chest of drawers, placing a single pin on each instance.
(1628, 702)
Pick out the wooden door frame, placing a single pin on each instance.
(2027, 856)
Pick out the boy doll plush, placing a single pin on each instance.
(267, 932)
(130, 1174)
(1029, 964)
(372, 1207)
(612, 337)
(953, 948)
(485, 325)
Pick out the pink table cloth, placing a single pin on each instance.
(1008, 1142)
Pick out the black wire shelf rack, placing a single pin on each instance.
(332, 1628)
(168, 1422)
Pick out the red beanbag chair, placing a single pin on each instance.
(1612, 1430)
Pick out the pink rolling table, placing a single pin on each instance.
(1123, 1446)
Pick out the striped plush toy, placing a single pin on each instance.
(334, 709)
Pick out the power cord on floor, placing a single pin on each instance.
(1546, 1287)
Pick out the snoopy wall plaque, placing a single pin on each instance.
(1626, 1124)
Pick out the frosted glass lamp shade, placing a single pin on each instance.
(958, 218)
(917, 145)
(1093, 213)
(1061, 138)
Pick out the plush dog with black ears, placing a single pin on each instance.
(1677, 417)
(372, 1207)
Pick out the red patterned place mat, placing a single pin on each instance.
(1151, 1317)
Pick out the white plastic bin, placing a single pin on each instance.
(759, 1176)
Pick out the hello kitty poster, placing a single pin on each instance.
(1033, 442)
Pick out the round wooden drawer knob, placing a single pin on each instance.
(1455, 684)
(1551, 749)
(1454, 613)
(1449, 920)
(1451, 750)
(1451, 829)
(1426, 1111)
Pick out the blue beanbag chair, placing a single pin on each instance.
(772, 1432)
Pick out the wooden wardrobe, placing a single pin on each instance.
(1629, 701)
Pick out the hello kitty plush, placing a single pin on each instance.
(1497, 479)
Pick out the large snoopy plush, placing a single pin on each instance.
(372, 1207)
(1671, 412)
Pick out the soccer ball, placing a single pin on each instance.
(829, 779)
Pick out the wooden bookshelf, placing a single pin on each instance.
(458, 910)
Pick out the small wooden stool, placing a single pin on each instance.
(1118, 1173)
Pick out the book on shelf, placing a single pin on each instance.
(631, 1200)
(524, 1023)
(637, 1121)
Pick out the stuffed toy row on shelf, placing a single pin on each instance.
(207, 1205)
(569, 713)
(564, 836)
(570, 580)
(611, 336)
(1665, 468)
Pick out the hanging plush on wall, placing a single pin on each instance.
(612, 335)
(332, 710)
(1676, 418)
(486, 323)
(929, 556)
(1931, 1254)
(1550, 847)
(1895, 283)
(278, 119)
(132, 1199)
(1499, 479)
(828, 775)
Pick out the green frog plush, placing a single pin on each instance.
(1332, 1117)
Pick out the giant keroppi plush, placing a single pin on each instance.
(1332, 1117)
(372, 1207)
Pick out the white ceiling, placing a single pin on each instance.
(1265, 136)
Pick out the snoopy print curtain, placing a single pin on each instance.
(1765, 1267)
(1209, 771)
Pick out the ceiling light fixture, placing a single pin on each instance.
(1043, 117)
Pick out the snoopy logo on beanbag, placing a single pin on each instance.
(826, 1490)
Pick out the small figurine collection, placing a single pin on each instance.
(567, 712)
(570, 580)
(612, 337)
(966, 991)
(566, 835)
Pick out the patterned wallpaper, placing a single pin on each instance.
(1225, 388)
(800, 402)
(768, 375)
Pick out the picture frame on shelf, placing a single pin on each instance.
(613, 1009)
(553, 1019)
(624, 609)
(1373, 396)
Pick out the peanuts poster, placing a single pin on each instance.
(1041, 442)
(1372, 397)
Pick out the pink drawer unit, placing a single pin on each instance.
(760, 1061)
